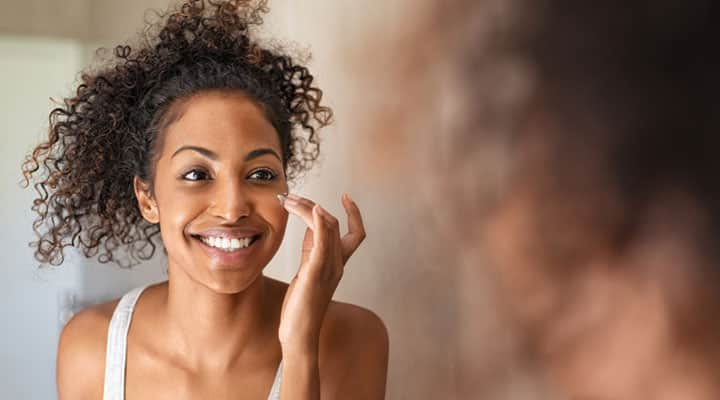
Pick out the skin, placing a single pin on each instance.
(219, 331)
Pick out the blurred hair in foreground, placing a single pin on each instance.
(571, 161)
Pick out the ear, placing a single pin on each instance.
(146, 203)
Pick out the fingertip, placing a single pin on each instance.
(288, 202)
(348, 201)
(321, 213)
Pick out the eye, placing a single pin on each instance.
(195, 174)
(262, 175)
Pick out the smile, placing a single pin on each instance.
(235, 255)
(228, 244)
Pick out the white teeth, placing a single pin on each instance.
(226, 243)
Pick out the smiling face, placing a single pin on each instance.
(217, 176)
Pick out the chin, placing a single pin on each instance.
(231, 283)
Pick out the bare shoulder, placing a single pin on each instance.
(350, 325)
(81, 353)
(354, 352)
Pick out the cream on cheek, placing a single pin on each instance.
(275, 215)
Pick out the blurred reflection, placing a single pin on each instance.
(568, 165)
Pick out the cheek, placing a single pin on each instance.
(178, 211)
(274, 213)
(184, 204)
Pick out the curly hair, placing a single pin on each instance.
(111, 129)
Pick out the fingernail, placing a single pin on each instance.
(285, 200)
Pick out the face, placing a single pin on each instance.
(217, 176)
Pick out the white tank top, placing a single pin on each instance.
(116, 354)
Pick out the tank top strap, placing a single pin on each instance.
(116, 353)
(275, 390)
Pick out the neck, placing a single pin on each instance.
(210, 330)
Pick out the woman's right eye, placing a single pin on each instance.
(195, 175)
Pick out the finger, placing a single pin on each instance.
(299, 206)
(309, 204)
(307, 244)
(356, 228)
(320, 234)
(333, 236)
(332, 222)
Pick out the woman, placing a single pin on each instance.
(192, 135)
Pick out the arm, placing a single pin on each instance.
(300, 375)
(80, 365)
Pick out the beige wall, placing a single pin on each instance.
(60, 19)
(83, 20)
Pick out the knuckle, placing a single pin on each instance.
(331, 222)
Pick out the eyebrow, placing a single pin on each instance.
(213, 156)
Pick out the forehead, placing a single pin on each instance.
(227, 122)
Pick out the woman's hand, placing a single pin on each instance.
(324, 254)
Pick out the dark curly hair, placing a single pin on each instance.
(111, 129)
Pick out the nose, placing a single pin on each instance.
(231, 201)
